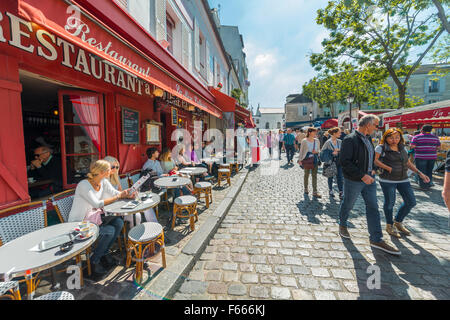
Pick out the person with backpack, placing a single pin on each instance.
(308, 159)
(391, 156)
(333, 145)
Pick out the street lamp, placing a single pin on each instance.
(310, 118)
(350, 99)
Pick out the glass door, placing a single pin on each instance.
(82, 133)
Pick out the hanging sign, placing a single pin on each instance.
(174, 116)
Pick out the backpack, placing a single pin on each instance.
(148, 185)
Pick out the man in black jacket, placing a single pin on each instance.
(45, 166)
(357, 161)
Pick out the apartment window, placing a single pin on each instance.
(202, 44)
(305, 110)
(267, 125)
(170, 27)
(278, 125)
(433, 86)
(257, 121)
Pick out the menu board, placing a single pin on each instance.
(174, 116)
(130, 126)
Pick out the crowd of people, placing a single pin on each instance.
(354, 159)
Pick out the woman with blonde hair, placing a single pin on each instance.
(167, 163)
(392, 157)
(114, 176)
(93, 193)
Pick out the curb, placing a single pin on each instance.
(170, 279)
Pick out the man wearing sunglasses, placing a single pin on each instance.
(45, 166)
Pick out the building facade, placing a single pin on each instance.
(300, 111)
(269, 118)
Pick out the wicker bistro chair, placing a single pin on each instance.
(62, 202)
(203, 190)
(142, 240)
(189, 204)
(10, 289)
(22, 219)
(224, 174)
(134, 176)
(58, 295)
(124, 181)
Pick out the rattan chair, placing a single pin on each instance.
(62, 202)
(134, 176)
(224, 174)
(189, 204)
(10, 289)
(142, 239)
(203, 190)
(22, 219)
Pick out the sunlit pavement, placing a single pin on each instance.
(276, 243)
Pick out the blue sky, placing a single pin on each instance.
(278, 36)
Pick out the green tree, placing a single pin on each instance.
(237, 93)
(378, 34)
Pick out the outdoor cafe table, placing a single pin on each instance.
(193, 171)
(16, 258)
(172, 182)
(115, 208)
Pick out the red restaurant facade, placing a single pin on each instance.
(68, 79)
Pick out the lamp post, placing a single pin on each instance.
(350, 99)
(310, 117)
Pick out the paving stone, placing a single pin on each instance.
(308, 282)
(193, 287)
(293, 261)
(280, 293)
(261, 268)
(230, 266)
(330, 285)
(246, 267)
(288, 281)
(240, 257)
(237, 289)
(258, 259)
(276, 260)
(281, 269)
(301, 270)
(299, 294)
(249, 278)
(213, 276)
(259, 292)
(217, 288)
(268, 279)
(342, 274)
(324, 295)
(311, 262)
(230, 277)
(347, 296)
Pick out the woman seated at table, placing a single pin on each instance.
(167, 164)
(196, 162)
(150, 215)
(183, 160)
(92, 193)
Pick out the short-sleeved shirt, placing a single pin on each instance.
(426, 145)
(289, 139)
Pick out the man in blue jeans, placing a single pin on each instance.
(288, 141)
(357, 160)
(425, 147)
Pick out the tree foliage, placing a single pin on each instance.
(378, 34)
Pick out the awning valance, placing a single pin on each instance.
(223, 101)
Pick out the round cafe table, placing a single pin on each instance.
(21, 254)
(115, 208)
(193, 171)
(172, 182)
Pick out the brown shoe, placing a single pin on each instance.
(391, 230)
(343, 232)
(400, 227)
(316, 195)
(385, 247)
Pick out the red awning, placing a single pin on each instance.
(245, 115)
(35, 15)
(223, 101)
(419, 117)
(330, 123)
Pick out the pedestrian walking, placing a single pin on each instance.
(298, 139)
(324, 138)
(334, 145)
(425, 147)
(391, 156)
(288, 144)
(280, 143)
(269, 143)
(357, 160)
(255, 146)
(309, 159)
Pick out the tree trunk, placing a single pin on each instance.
(401, 96)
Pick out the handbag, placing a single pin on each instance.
(308, 163)
(94, 216)
(329, 169)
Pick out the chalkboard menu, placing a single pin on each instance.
(130, 126)
(174, 116)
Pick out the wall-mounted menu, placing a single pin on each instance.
(130, 126)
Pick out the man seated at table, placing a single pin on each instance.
(46, 166)
(152, 163)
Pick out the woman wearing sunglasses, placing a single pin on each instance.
(114, 177)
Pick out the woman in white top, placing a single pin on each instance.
(96, 192)
(334, 144)
(312, 145)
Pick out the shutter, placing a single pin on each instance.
(425, 86)
(215, 71)
(185, 46)
(208, 64)
(160, 8)
(189, 50)
(197, 45)
(442, 85)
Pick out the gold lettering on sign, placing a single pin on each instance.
(94, 73)
(47, 45)
(66, 53)
(109, 72)
(81, 60)
(17, 34)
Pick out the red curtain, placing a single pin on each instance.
(87, 109)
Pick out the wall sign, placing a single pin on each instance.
(130, 126)
(153, 132)
(174, 116)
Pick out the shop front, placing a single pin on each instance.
(72, 85)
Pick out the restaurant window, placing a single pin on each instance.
(170, 27)
(82, 129)
(433, 86)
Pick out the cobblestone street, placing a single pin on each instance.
(276, 243)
